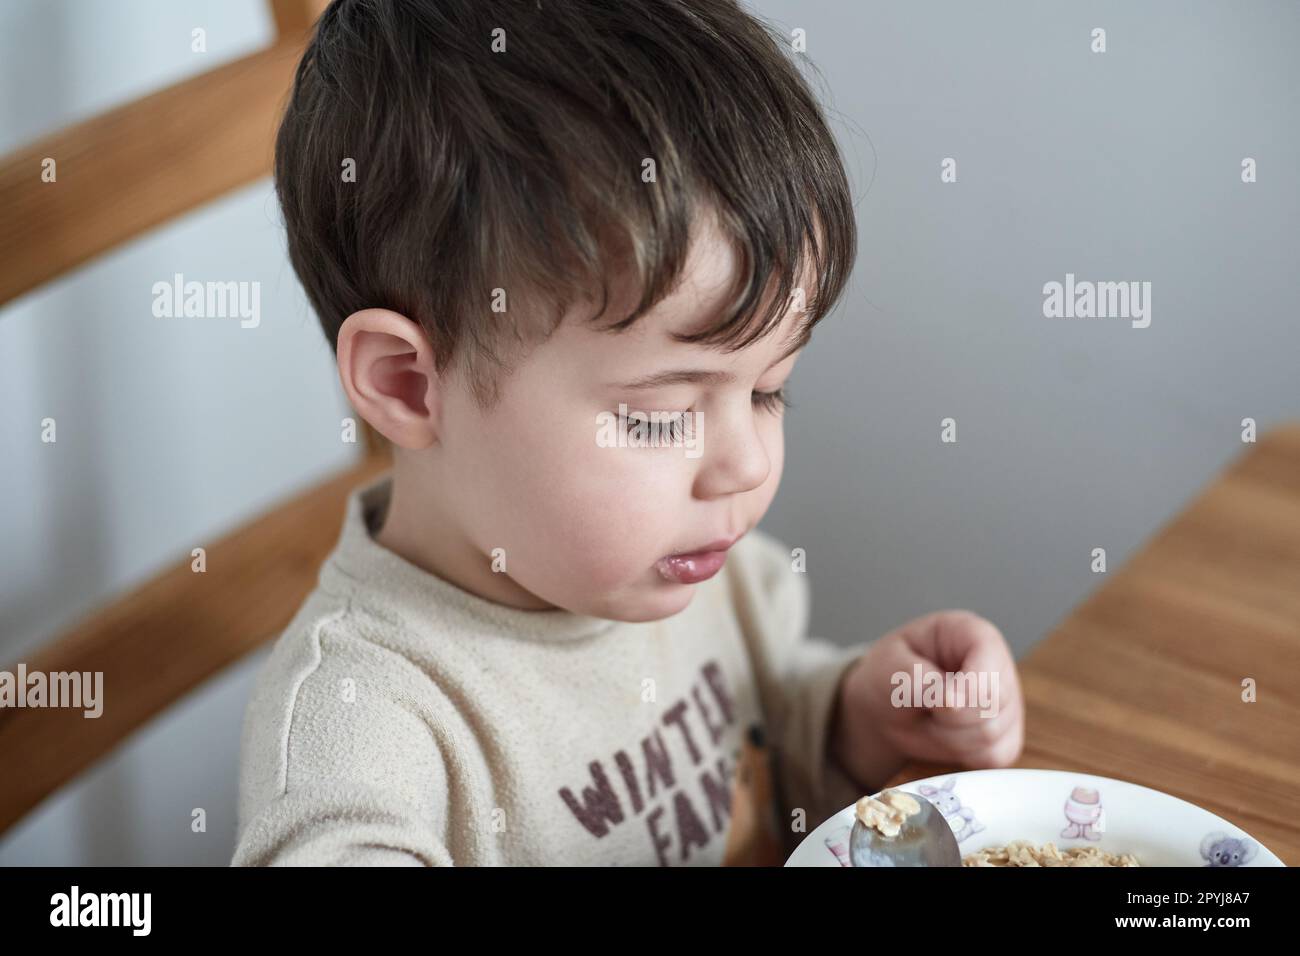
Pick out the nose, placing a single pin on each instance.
(733, 457)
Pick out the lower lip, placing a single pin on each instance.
(691, 568)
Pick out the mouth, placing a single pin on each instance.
(692, 567)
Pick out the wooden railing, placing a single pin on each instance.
(119, 175)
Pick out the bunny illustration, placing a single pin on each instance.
(1222, 850)
(960, 819)
(1084, 811)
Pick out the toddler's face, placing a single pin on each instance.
(584, 526)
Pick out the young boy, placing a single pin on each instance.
(540, 236)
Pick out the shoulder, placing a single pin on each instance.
(331, 652)
(331, 702)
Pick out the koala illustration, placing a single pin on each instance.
(1219, 849)
(961, 819)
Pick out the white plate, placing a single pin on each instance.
(988, 808)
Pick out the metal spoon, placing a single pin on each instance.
(925, 839)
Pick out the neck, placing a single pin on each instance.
(419, 529)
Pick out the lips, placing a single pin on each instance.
(721, 544)
(692, 567)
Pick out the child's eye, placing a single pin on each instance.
(674, 427)
(663, 428)
(771, 401)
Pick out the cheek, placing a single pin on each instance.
(572, 509)
(573, 515)
(616, 510)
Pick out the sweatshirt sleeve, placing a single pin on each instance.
(339, 824)
(341, 771)
(798, 682)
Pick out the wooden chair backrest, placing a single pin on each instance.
(118, 175)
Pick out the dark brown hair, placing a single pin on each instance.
(523, 169)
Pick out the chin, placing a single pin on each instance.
(664, 600)
(669, 600)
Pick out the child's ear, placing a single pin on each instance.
(386, 368)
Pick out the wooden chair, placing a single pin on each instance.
(119, 175)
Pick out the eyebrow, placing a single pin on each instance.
(702, 376)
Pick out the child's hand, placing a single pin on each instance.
(873, 736)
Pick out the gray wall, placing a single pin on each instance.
(1072, 433)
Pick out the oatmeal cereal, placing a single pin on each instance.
(888, 814)
(1024, 853)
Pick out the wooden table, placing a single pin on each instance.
(1143, 680)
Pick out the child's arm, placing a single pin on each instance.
(339, 823)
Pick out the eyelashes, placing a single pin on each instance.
(677, 424)
(771, 401)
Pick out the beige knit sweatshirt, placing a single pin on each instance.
(401, 720)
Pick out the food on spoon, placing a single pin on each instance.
(888, 814)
